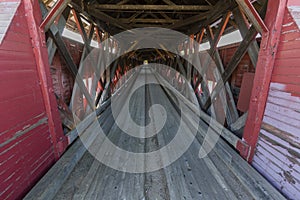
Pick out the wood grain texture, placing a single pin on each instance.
(26, 148)
(278, 150)
(223, 174)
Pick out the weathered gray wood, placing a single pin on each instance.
(219, 9)
(254, 17)
(237, 57)
(55, 12)
(150, 7)
(226, 96)
(151, 21)
(60, 26)
(188, 21)
(107, 18)
(48, 186)
(257, 186)
(70, 63)
(214, 40)
(223, 174)
(219, 128)
(243, 28)
(239, 123)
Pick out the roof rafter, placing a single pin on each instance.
(151, 7)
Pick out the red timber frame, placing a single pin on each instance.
(61, 10)
(264, 68)
(41, 57)
(269, 29)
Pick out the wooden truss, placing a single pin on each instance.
(206, 22)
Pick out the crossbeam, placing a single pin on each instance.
(71, 65)
(253, 15)
(56, 11)
(151, 7)
(101, 15)
(235, 60)
(155, 21)
(241, 22)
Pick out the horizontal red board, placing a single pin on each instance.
(286, 62)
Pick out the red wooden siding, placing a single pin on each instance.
(277, 155)
(26, 146)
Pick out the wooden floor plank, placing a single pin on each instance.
(220, 175)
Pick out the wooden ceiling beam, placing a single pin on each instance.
(214, 14)
(154, 21)
(146, 25)
(164, 15)
(151, 7)
(130, 19)
(104, 17)
(89, 18)
(188, 21)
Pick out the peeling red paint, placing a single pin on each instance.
(27, 148)
(277, 154)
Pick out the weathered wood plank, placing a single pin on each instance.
(243, 28)
(150, 7)
(187, 178)
(240, 52)
(70, 63)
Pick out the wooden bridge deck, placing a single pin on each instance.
(220, 175)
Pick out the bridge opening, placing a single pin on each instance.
(150, 99)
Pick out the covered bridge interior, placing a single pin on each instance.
(171, 99)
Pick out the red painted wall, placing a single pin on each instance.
(26, 145)
(277, 154)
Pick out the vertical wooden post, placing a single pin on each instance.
(264, 67)
(40, 52)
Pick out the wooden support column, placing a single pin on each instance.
(264, 68)
(87, 49)
(43, 69)
(99, 94)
